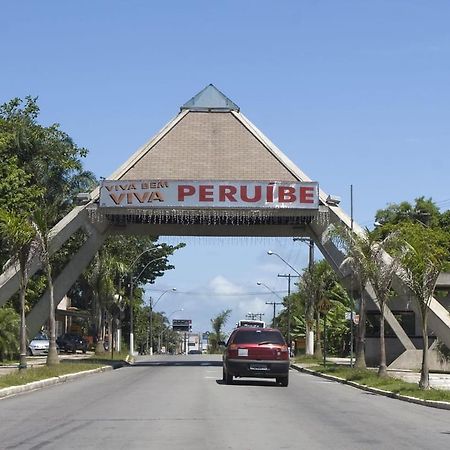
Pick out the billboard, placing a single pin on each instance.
(209, 194)
(181, 325)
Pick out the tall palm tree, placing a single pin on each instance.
(41, 220)
(315, 283)
(381, 275)
(367, 255)
(217, 324)
(425, 257)
(18, 234)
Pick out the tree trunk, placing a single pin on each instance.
(424, 382)
(318, 344)
(309, 340)
(52, 357)
(99, 348)
(360, 361)
(23, 325)
(382, 369)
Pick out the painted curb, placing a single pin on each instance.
(33, 386)
(405, 398)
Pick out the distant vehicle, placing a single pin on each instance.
(251, 323)
(38, 345)
(71, 342)
(195, 352)
(257, 353)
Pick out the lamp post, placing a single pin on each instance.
(271, 303)
(132, 281)
(152, 305)
(288, 276)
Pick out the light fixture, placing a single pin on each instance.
(333, 200)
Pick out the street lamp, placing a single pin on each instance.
(288, 276)
(152, 305)
(270, 252)
(132, 281)
(271, 303)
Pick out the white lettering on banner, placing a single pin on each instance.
(196, 194)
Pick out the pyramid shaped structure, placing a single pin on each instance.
(209, 139)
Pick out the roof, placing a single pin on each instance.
(210, 99)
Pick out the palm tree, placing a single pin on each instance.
(40, 221)
(217, 324)
(357, 249)
(315, 283)
(101, 278)
(18, 234)
(425, 256)
(367, 254)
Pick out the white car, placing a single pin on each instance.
(39, 345)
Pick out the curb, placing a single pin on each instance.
(35, 385)
(405, 398)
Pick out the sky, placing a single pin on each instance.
(353, 92)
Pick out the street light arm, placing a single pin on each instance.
(135, 279)
(159, 247)
(276, 254)
(268, 288)
(159, 298)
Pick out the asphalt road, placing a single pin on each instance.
(180, 403)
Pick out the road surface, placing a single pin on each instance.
(180, 402)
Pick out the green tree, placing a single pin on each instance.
(19, 236)
(427, 253)
(37, 162)
(368, 254)
(357, 249)
(9, 333)
(424, 211)
(217, 324)
(42, 217)
(47, 155)
(315, 282)
(314, 286)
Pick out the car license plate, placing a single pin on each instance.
(259, 367)
(242, 351)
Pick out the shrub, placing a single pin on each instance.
(9, 333)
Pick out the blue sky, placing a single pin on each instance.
(354, 92)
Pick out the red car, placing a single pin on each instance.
(257, 353)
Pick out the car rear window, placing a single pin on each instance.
(257, 337)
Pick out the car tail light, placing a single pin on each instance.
(233, 347)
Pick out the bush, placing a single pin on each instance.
(9, 333)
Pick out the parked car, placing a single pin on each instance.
(71, 342)
(257, 353)
(195, 352)
(38, 345)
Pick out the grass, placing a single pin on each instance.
(367, 377)
(43, 372)
(104, 357)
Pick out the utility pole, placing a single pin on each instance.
(274, 305)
